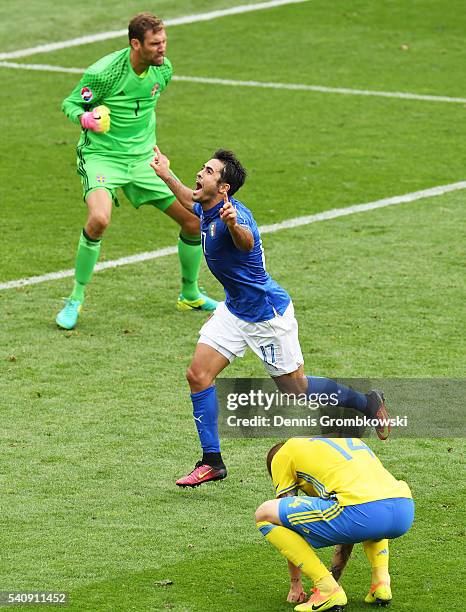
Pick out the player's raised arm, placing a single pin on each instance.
(161, 166)
(241, 235)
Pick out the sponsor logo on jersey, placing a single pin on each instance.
(155, 89)
(100, 178)
(86, 94)
(212, 229)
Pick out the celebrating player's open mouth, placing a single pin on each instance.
(197, 190)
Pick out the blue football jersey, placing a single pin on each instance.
(251, 293)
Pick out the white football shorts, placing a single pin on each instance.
(275, 342)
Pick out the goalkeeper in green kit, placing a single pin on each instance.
(115, 105)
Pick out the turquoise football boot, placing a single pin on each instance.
(203, 302)
(68, 316)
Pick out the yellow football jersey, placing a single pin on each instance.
(342, 468)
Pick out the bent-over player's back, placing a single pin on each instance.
(345, 468)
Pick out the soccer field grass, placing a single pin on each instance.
(97, 422)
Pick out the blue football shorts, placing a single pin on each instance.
(324, 522)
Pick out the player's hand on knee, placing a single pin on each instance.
(296, 593)
(96, 120)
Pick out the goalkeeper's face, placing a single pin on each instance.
(152, 51)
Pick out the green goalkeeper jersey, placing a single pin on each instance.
(131, 99)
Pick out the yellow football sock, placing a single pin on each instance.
(378, 556)
(299, 552)
(327, 584)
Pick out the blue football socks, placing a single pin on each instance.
(205, 412)
(348, 398)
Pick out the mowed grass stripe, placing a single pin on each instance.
(264, 229)
(187, 19)
(261, 84)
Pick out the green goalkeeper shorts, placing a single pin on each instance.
(134, 176)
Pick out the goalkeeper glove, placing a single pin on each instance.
(97, 120)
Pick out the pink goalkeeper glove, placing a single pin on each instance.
(97, 120)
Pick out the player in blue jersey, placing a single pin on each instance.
(257, 312)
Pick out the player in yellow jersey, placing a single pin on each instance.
(349, 497)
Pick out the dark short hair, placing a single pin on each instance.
(271, 454)
(142, 23)
(232, 172)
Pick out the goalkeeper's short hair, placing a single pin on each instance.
(142, 23)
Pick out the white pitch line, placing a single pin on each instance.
(357, 208)
(259, 84)
(84, 40)
(321, 89)
(104, 265)
(264, 229)
(41, 67)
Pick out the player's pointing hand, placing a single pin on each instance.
(160, 163)
(228, 212)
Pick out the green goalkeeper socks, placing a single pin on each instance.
(86, 258)
(190, 255)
